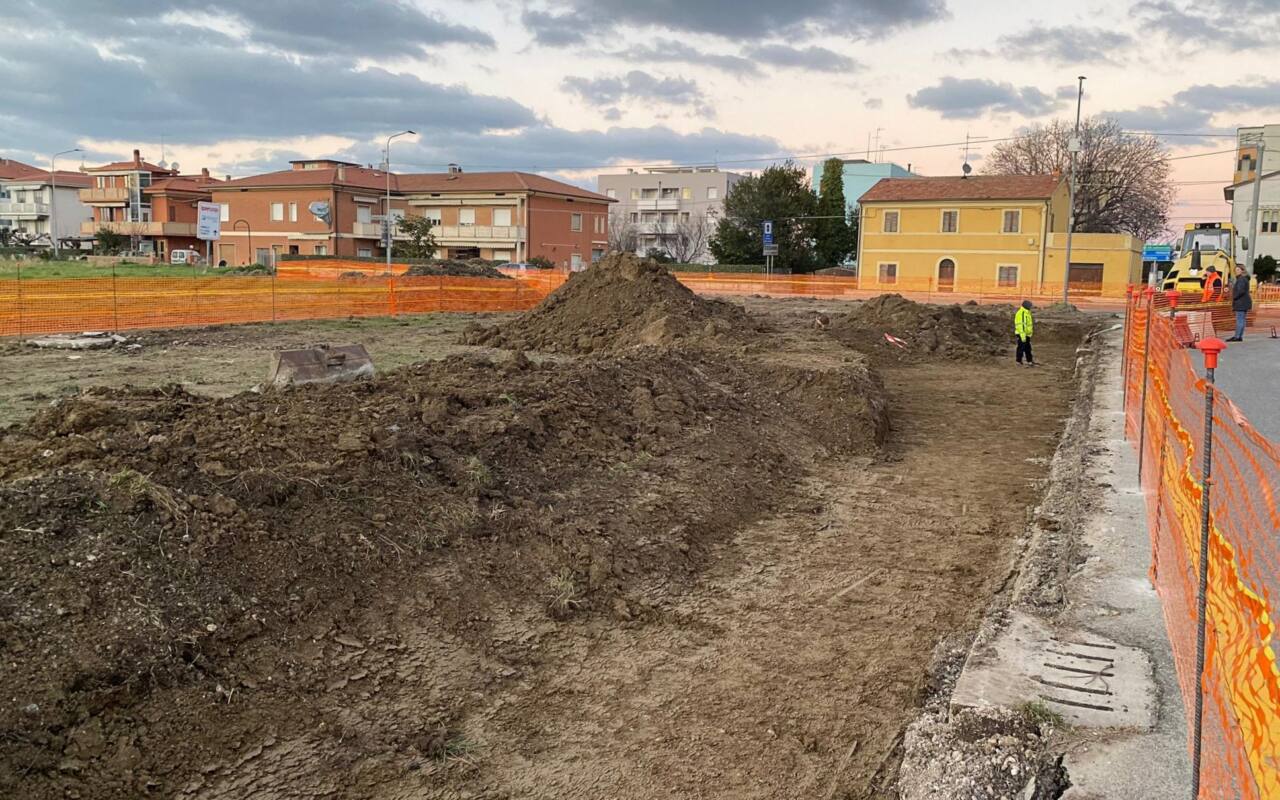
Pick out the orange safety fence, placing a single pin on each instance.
(1241, 682)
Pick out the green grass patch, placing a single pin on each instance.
(46, 270)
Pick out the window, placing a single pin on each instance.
(1271, 221)
(575, 262)
(1012, 221)
(466, 216)
(224, 212)
(293, 212)
(598, 223)
(647, 194)
(432, 214)
(501, 217)
(322, 249)
(364, 252)
(713, 193)
(613, 193)
(635, 194)
(277, 212)
(950, 221)
(670, 193)
(635, 216)
(102, 181)
(173, 213)
(888, 273)
(364, 214)
(686, 193)
(1246, 164)
(891, 226)
(1007, 275)
(575, 222)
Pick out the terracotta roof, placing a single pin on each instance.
(18, 171)
(355, 177)
(192, 184)
(492, 182)
(114, 166)
(974, 187)
(442, 182)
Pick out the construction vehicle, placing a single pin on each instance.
(1204, 244)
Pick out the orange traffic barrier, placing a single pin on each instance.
(1165, 418)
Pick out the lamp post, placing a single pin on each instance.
(249, 229)
(386, 214)
(1073, 147)
(53, 196)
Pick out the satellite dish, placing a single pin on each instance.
(162, 165)
(173, 166)
(966, 169)
(320, 208)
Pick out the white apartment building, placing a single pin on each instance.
(31, 205)
(1265, 226)
(655, 203)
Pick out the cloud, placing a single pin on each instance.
(968, 98)
(816, 59)
(553, 30)
(755, 20)
(874, 103)
(388, 27)
(1061, 44)
(215, 91)
(672, 51)
(1192, 110)
(1210, 24)
(637, 85)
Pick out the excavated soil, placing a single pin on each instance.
(472, 268)
(689, 571)
(952, 332)
(621, 302)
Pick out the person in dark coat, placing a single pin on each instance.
(1241, 301)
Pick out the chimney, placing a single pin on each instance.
(454, 169)
(226, 177)
(204, 173)
(137, 158)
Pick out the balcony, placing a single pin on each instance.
(367, 230)
(479, 233)
(655, 228)
(659, 204)
(111, 194)
(140, 228)
(24, 210)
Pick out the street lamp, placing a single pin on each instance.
(249, 229)
(1073, 147)
(53, 196)
(386, 214)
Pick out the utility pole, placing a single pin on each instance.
(1255, 222)
(387, 233)
(53, 197)
(1073, 147)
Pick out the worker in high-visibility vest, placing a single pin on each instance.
(1023, 326)
(1212, 285)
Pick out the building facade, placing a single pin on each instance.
(656, 207)
(984, 233)
(39, 205)
(121, 205)
(337, 208)
(1247, 140)
(858, 176)
(1260, 235)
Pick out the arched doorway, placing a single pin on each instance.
(946, 275)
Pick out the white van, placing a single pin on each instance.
(184, 257)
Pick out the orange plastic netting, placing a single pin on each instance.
(1241, 738)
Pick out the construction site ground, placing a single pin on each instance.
(725, 600)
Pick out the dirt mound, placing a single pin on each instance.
(187, 576)
(471, 268)
(926, 330)
(619, 302)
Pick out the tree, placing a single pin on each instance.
(1265, 267)
(834, 237)
(779, 193)
(688, 239)
(1123, 182)
(624, 235)
(109, 242)
(421, 244)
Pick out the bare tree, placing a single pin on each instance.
(688, 239)
(624, 235)
(1123, 182)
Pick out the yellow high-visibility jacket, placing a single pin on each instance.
(1022, 324)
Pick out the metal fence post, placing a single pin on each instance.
(1149, 294)
(21, 301)
(1210, 348)
(1124, 348)
(115, 302)
(273, 295)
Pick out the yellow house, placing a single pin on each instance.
(983, 233)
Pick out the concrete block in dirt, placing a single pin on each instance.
(322, 364)
(89, 340)
(1089, 680)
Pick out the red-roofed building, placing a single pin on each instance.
(983, 233)
(504, 216)
(32, 201)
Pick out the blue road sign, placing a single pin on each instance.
(1157, 252)
(768, 231)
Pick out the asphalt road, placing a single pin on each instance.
(1249, 372)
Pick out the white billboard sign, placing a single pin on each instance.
(208, 221)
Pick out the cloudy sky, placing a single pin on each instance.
(573, 86)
